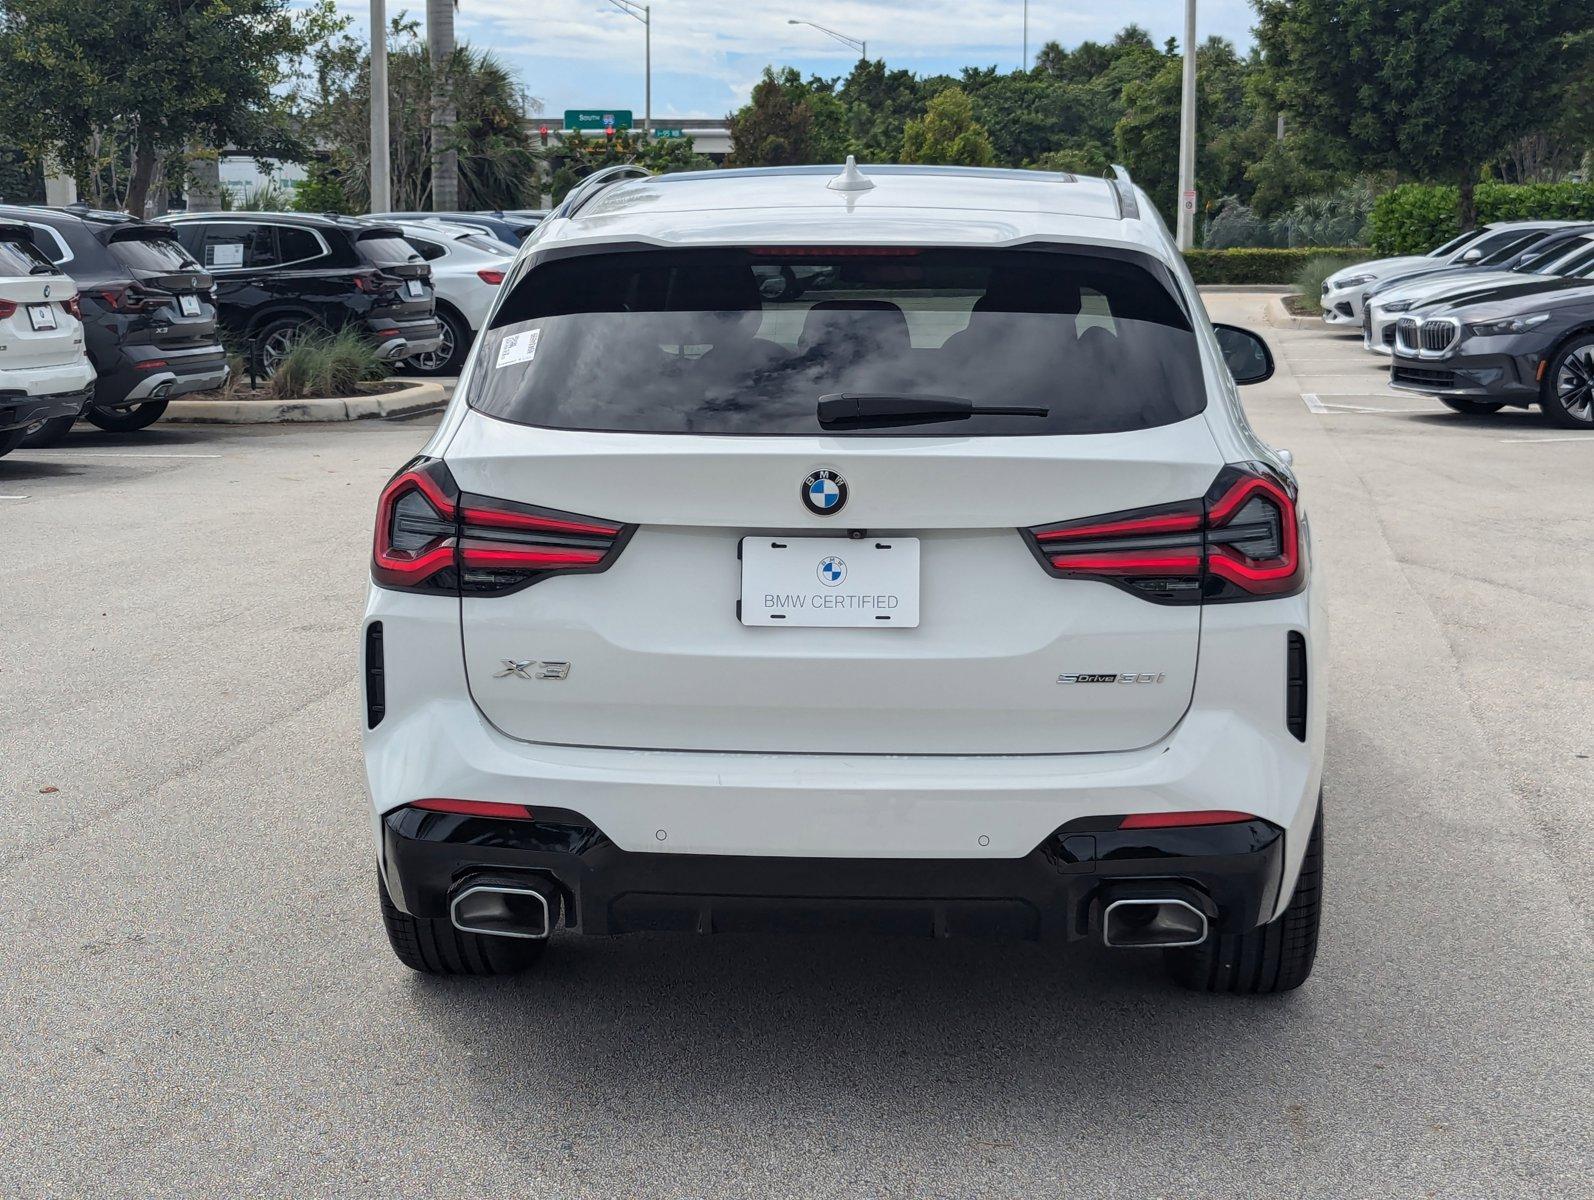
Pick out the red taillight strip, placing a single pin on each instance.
(506, 519)
(408, 568)
(505, 558)
(1234, 499)
(1187, 522)
(1128, 562)
(474, 808)
(834, 251)
(1179, 820)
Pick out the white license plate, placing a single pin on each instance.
(835, 582)
(188, 305)
(42, 317)
(413, 288)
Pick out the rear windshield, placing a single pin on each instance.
(747, 341)
(152, 254)
(386, 250)
(20, 258)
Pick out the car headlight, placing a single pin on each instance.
(1351, 281)
(1397, 306)
(1506, 325)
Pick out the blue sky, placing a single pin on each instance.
(707, 54)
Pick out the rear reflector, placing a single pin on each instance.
(1180, 820)
(490, 276)
(475, 808)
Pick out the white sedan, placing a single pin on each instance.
(467, 267)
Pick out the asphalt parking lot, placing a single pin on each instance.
(199, 1000)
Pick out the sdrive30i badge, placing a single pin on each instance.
(824, 492)
(1110, 677)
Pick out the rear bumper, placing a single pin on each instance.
(1231, 873)
(20, 385)
(20, 411)
(399, 339)
(1231, 750)
(132, 381)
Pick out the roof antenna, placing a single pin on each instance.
(851, 179)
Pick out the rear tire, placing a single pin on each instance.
(448, 358)
(48, 433)
(432, 946)
(126, 420)
(1472, 408)
(1276, 957)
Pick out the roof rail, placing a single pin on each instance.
(595, 183)
(1123, 189)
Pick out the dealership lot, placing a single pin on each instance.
(197, 987)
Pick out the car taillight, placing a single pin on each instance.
(432, 537)
(74, 306)
(376, 284)
(490, 276)
(8, 308)
(1239, 542)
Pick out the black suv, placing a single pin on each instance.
(149, 324)
(278, 274)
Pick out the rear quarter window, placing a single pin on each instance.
(386, 250)
(747, 342)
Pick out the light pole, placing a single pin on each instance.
(643, 13)
(381, 172)
(1187, 114)
(861, 47)
(1024, 65)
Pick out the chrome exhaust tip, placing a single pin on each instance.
(1161, 922)
(505, 909)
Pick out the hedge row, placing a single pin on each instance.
(1416, 217)
(1258, 266)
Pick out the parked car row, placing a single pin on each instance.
(1501, 316)
(108, 318)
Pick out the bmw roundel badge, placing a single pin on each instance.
(825, 493)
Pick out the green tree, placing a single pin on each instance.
(773, 129)
(151, 76)
(496, 160)
(879, 104)
(1434, 90)
(948, 133)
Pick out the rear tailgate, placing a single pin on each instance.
(660, 659)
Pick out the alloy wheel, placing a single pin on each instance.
(275, 348)
(1574, 384)
(432, 360)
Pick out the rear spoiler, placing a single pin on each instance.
(139, 231)
(375, 229)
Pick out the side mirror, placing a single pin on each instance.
(1472, 256)
(1246, 355)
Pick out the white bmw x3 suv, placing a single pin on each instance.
(884, 549)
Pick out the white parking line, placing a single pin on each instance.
(1571, 437)
(1312, 402)
(13, 497)
(116, 454)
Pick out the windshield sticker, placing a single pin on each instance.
(518, 348)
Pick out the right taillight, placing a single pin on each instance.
(1238, 542)
(432, 537)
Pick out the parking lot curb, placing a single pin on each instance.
(1282, 318)
(409, 400)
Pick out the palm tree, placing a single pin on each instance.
(445, 161)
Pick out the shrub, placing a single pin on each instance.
(1309, 277)
(1258, 266)
(1337, 218)
(326, 364)
(1416, 217)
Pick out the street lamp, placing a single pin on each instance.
(1187, 114)
(860, 46)
(643, 13)
(381, 181)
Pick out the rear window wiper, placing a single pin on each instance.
(851, 408)
(42, 269)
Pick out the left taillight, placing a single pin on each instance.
(432, 537)
(73, 306)
(1239, 542)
